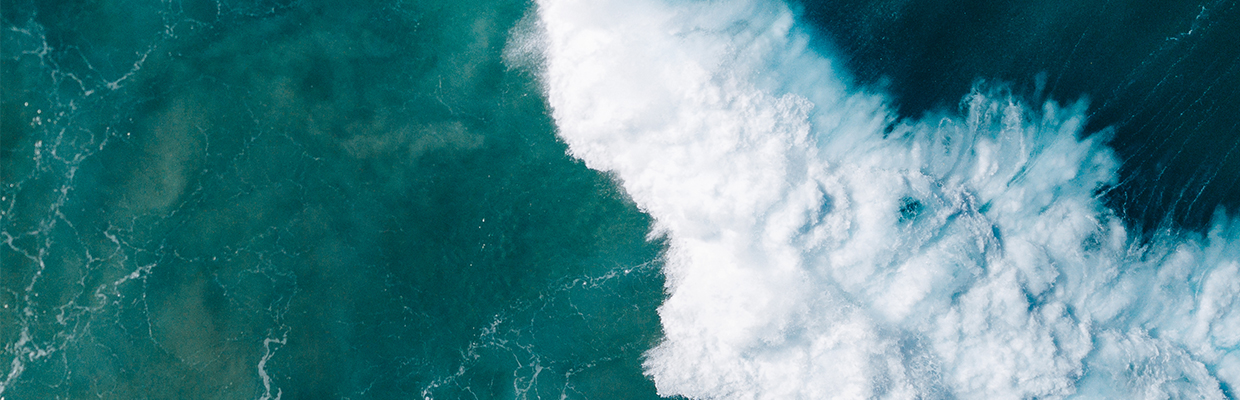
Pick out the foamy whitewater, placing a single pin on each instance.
(819, 249)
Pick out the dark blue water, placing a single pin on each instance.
(1165, 75)
(404, 199)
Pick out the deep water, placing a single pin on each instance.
(619, 199)
(1165, 75)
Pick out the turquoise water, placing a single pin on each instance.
(618, 199)
(307, 199)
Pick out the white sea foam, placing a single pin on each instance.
(812, 256)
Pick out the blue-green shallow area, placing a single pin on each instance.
(300, 200)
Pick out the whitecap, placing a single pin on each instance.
(821, 249)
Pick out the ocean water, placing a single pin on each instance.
(619, 199)
(1162, 74)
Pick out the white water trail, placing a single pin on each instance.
(813, 256)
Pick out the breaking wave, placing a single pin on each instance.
(819, 248)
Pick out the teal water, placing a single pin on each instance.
(303, 199)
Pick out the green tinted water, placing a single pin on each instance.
(312, 199)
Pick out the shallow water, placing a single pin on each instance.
(310, 199)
